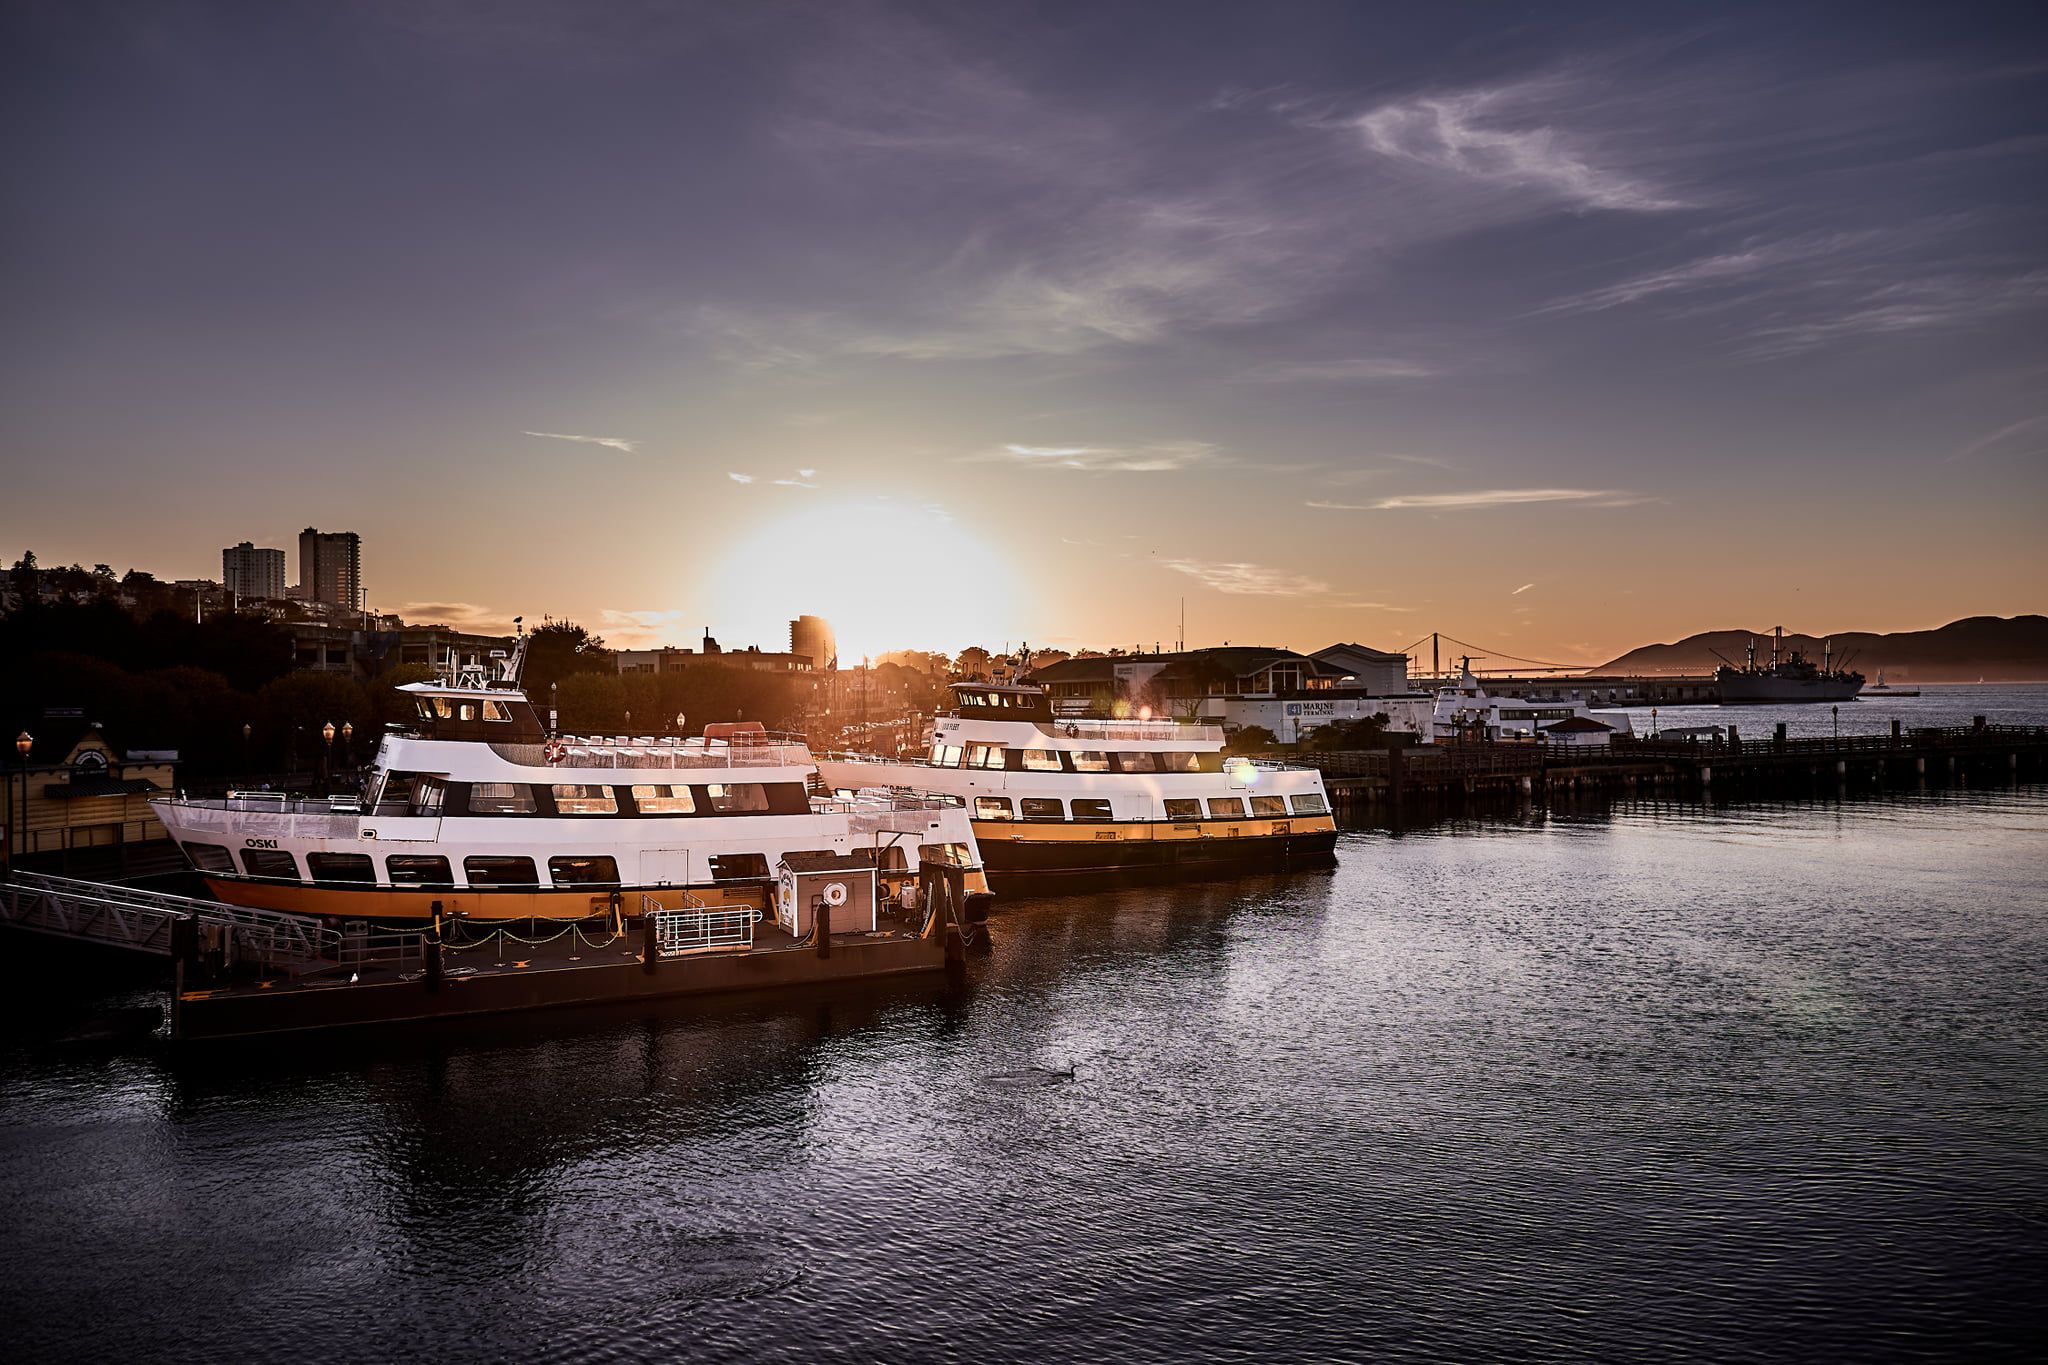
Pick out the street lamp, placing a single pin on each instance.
(326, 754)
(23, 742)
(1838, 720)
(246, 731)
(1653, 723)
(348, 742)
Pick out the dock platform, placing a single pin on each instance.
(239, 973)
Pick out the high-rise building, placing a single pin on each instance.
(251, 574)
(812, 636)
(331, 567)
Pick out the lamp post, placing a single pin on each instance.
(1653, 722)
(1838, 720)
(246, 730)
(326, 755)
(23, 742)
(348, 744)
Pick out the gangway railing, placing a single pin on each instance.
(133, 917)
(697, 925)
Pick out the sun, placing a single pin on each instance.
(885, 574)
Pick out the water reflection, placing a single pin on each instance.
(1630, 1078)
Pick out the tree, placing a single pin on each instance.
(292, 710)
(973, 662)
(591, 702)
(556, 649)
(1250, 739)
(1369, 733)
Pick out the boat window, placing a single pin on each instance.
(992, 808)
(956, 854)
(1269, 805)
(270, 862)
(1226, 807)
(209, 857)
(594, 871)
(1041, 761)
(893, 859)
(1043, 808)
(947, 755)
(739, 867)
(1089, 808)
(1177, 762)
(1090, 761)
(985, 755)
(1137, 761)
(496, 710)
(1183, 810)
(1311, 804)
(428, 796)
(501, 798)
(664, 800)
(574, 799)
(485, 870)
(419, 869)
(341, 867)
(737, 798)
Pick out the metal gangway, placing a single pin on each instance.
(698, 925)
(148, 921)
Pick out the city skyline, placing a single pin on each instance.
(1027, 323)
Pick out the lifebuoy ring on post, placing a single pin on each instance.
(554, 751)
(835, 894)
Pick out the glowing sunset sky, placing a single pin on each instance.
(1561, 328)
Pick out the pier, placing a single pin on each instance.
(1361, 782)
(237, 972)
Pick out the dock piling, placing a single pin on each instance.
(650, 957)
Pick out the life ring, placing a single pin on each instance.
(835, 893)
(554, 751)
(1073, 732)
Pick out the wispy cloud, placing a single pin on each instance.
(1359, 369)
(634, 629)
(1160, 457)
(1510, 136)
(467, 616)
(614, 442)
(1931, 303)
(738, 477)
(1999, 437)
(1247, 580)
(1519, 591)
(1488, 497)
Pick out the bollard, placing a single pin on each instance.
(821, 926)
(650, 959)
(956, 953)
(1706, 775)
(434, 977)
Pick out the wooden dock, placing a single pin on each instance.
(1363, 782)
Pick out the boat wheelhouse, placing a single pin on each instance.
(474, 809)
(1089, 794)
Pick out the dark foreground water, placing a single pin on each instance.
(1763, 1084)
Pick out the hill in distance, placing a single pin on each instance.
(1994, 648)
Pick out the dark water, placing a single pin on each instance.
(1657, 1083)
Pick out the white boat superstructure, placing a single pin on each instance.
(1467, 711)
(475, 810)
(1051, 793)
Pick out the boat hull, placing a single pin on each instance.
(1742, 691)
(1012, 850)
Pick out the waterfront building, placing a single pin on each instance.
(752, 659)
(73, 791)
(1361, 668)
(251, 573)
(331, 568)
(364, 651)
(812, 638)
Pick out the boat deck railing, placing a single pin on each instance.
(777, 751)
(697, 924)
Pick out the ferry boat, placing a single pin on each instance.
(475, 810)
(1790, 677)
(1882, 690)
(1088, 794)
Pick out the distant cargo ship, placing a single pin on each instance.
(1789, 677)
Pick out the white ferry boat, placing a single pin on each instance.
(475, 810)
(1069, 794)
